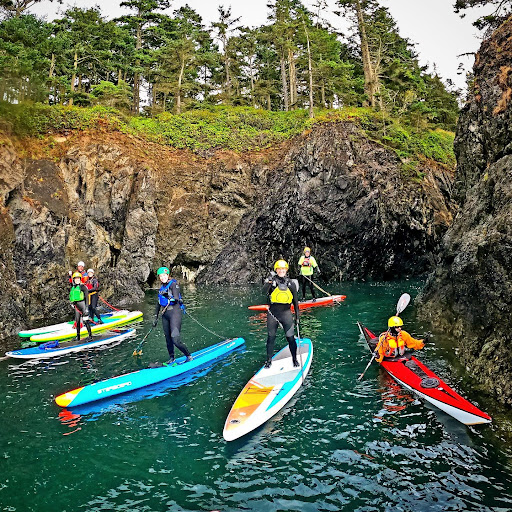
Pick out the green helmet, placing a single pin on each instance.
(162, 270)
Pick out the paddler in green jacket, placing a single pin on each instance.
(79, 297)
(282, 292)
(307, 266)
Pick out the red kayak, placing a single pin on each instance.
(322, 301)
(415, 376)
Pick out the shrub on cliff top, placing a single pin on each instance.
(235, 128)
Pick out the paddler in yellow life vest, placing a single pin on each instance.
(282, 293)
(307, 266)
(394, 341)
(79, 298)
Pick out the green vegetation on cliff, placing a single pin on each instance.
(234, 128)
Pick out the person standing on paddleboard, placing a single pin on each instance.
(169, 298)
(282, 292)
(93, 285)
(79, 298)
(80, 267)
(395, 340)
(307, 266)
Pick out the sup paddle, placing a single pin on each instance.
(402, 303)
(138, 348)
(300, 355)
(315, 285)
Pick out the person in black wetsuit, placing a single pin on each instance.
(93, 285)
(169, 298)
(79, 298)
(282, 292)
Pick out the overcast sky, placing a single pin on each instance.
(440, 34)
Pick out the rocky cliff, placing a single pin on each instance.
(126, 207)
(349, 200)
(470, 292)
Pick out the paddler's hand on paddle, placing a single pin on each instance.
(155, 321)
(183, 308)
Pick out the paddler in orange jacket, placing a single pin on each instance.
(394, 341)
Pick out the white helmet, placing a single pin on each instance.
(90, 270)
(80, 264)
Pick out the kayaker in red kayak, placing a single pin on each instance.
(282, 292)
(395, 340)
(307, 266)
(169, 299)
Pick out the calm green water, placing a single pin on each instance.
(339, 445)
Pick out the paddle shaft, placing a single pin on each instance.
(314, 284)
(138, 349)
(401, 305)
(300, 355)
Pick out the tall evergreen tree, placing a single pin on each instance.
(145, 14)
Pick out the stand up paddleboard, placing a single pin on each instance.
(64, 325)
(322, 301)
(139, 379)
(53, 349)
(268, 391)
(70, 332)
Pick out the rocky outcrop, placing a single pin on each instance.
(126, 207)
(349, 200)
(470, 292)
(123, 206)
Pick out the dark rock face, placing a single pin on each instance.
(124, 207)
(345, 197)
(470, 292)
(127, 207)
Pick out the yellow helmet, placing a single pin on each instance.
(395, 321)
(280, 264)
(307, 249)
(76, 274)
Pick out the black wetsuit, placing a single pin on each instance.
(94, 286)
(281, 314)
(82, 311)
(304, 281)
(171, 320)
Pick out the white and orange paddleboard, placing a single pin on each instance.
(268, 391)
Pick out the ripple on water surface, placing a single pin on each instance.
(339, 445)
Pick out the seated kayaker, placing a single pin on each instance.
(282, 292)
(307, 266)
(169, 298)
(79, 298)
(394, 341)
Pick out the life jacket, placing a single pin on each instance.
(307, 265)
(393, 346)
(162, 299)
(282, 293)
(76, 294)
(90, 286)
